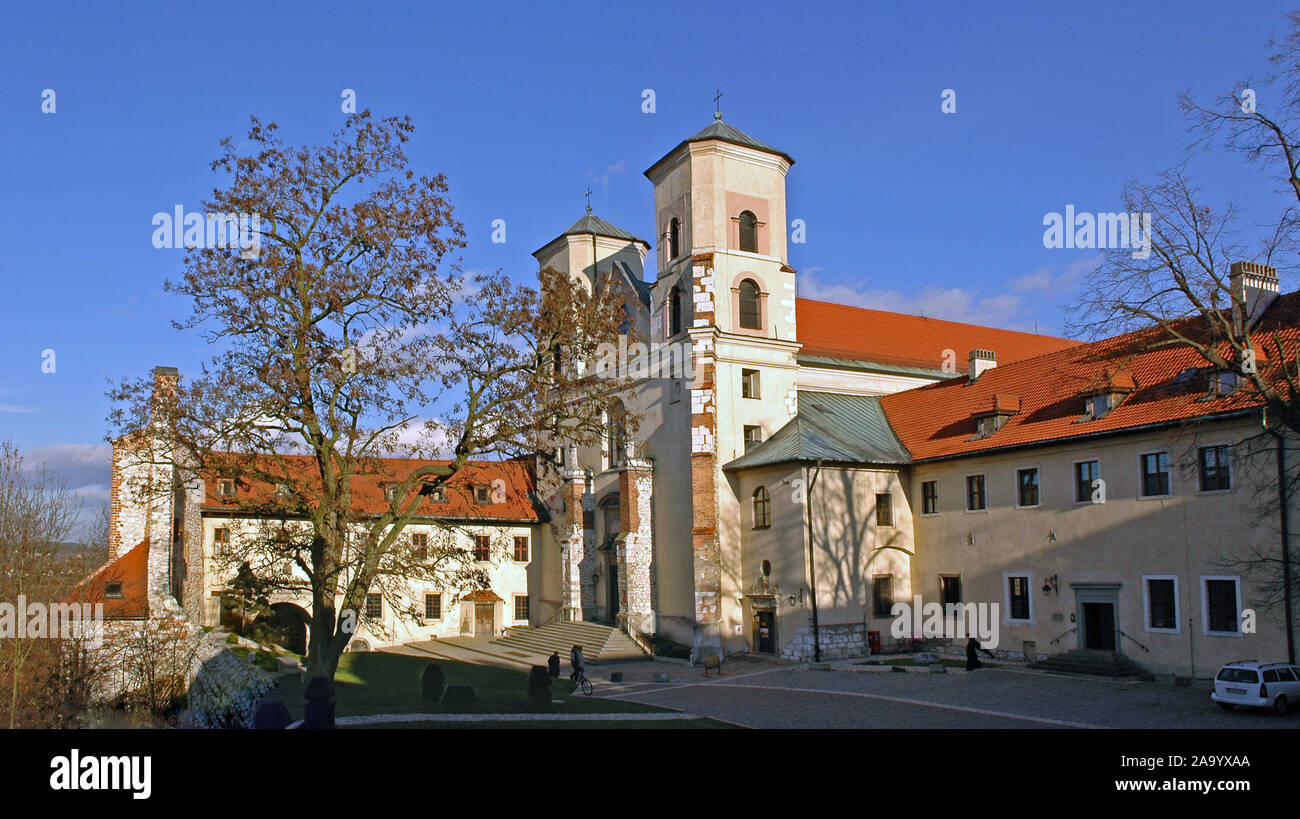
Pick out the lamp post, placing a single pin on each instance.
(812, 564)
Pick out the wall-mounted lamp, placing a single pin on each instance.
(1049, 585)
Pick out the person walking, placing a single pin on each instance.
(554, 664)
(973, 648)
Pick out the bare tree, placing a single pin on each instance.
(338, 336)
(1183, 288)
(37, 514)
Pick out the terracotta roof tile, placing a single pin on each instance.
(510, 486)
(1168, 385)
(861, 334)
(130, 571)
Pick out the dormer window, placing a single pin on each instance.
(1223, 383)
(993, 415)
(1106, 393)
(1097, 406)
(438, 494)
(226, 488)
(390, 492)
(282, 489)
(482, 494)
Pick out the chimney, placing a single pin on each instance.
(1254, 286)
(979, 361)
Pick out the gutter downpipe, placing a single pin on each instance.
(812, 565)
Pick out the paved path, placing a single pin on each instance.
(381, 719)
(794, 697)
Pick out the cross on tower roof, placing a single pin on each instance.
(588, 199)
(717, 101)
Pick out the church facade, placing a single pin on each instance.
(819, 463)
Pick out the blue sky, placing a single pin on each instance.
(525, 105)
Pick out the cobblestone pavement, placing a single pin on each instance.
(769, 694)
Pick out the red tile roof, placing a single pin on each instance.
(935, 421)
(510, 485)
(483, 596)
(130, 570)
(842, 331)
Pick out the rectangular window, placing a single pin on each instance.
(749, 384)
(974, 492)
(1027, 487)
(521, 607)
(374, 606)
(521, 549)
(225, 488)
(1155, 474)
(929, 497)
(221, 541)
(950, 589)
(482, 494)
(113, 590)
(1085, 472)
(882, 595)
(420, 545)
(482, 547)
(1221, 612)
(884, 509)
(1162, 603)
(1018, 597)
(753, 436)
(433, 606)
(1215, 472)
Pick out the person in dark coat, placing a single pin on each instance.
(554, 664)
(973, 648)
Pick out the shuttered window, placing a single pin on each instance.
(748, 232)
(750, 319)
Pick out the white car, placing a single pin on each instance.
(1257, 685)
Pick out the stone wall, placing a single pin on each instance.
(838, 642)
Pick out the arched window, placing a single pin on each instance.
(748, 231)
(762, 508)
(674, 311)
(615, 435)
(674, 239)
(750, 313)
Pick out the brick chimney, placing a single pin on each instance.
(979, 361)
(1254, 286)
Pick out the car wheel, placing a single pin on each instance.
(1227, 706)
(1279, 705)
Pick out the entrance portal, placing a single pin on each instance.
(484, 621)
(765, 633)
(1098, 615)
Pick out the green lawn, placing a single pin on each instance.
(379, 683)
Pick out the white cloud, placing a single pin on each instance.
(1019, 304)
(14, 408)
(79, 465)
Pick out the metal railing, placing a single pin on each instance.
(1139, 645)
(1058, 637)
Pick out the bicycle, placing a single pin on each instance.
(583, 683)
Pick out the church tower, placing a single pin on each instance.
(724, 286)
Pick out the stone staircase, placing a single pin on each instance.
(599, 642)
(1092, 662)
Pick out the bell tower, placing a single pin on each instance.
(725, 287)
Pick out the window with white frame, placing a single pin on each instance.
(1027, 487)
(1160, 602)
(1020, 605)
(1221, 604)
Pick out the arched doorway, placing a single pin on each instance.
(289, 622)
